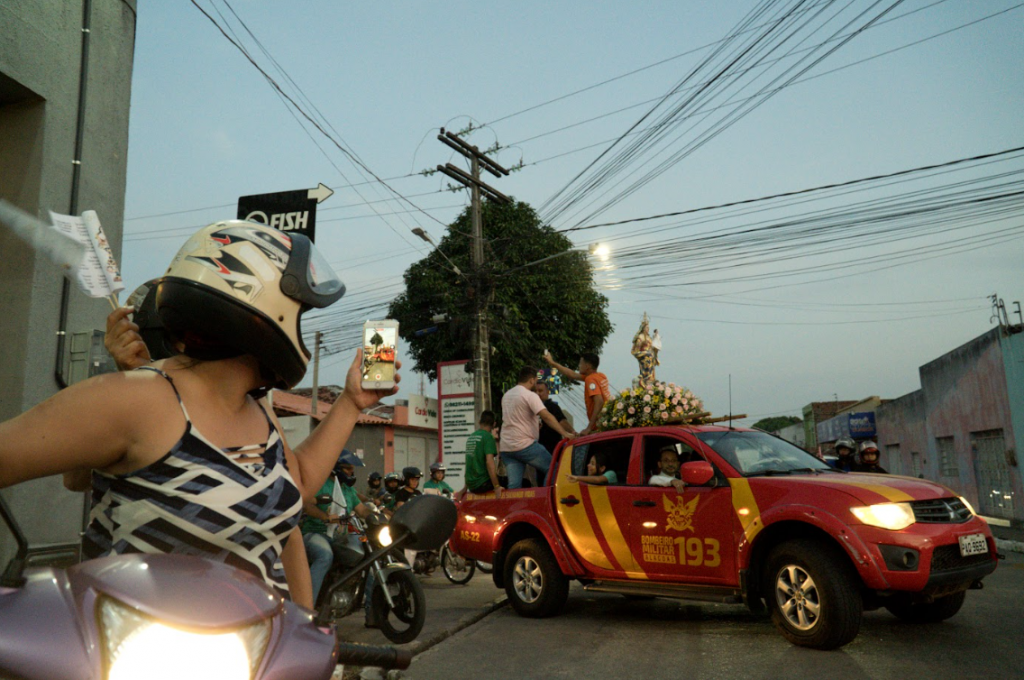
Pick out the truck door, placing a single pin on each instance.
(681, 536)
(595, 518)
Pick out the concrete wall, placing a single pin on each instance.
(975, 388)
(794, 434)
(901, 422)
(40, 59)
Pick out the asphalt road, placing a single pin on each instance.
(606, 636)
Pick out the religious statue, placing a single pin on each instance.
(644, 351)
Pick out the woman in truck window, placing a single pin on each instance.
(597, 472)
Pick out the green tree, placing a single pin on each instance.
(550, 305)
(775, 423)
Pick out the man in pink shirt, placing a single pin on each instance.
(520, 430)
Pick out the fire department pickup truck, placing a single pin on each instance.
(758, 522)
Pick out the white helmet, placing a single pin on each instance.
(239, 288)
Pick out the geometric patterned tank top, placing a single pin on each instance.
(199, 500)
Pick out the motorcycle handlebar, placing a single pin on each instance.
(368, 655)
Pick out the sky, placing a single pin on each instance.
(206, 128)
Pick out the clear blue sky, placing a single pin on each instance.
(206, 128)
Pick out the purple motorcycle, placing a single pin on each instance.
(127, 617)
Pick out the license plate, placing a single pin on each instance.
(973, 544)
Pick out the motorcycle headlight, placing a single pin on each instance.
(893, 516)
(384, 536)
(140, 647)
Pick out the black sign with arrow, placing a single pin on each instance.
(289, 211)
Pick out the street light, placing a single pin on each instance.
(601, 251)
(426, 237)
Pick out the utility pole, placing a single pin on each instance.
(316, 374)
(481, 289)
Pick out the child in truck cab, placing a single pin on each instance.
(597, 472)
(668, 469)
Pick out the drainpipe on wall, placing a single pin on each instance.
(76, 178)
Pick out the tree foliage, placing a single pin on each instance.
(775, 423)
(551, 305)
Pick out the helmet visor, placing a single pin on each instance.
(308, 277)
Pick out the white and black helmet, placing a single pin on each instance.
(239, 288)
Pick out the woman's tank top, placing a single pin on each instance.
(200, 500)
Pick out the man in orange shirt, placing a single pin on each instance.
(595, 385)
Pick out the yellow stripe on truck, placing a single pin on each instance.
(574, 519)
(745, 504)
(887, 492)
(609, 526)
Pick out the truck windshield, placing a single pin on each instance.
(759, 453)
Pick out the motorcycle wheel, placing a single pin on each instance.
(403, 623)
(485, 567)
(456, 568)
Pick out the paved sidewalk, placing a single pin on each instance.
(450, 608)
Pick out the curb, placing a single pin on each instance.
(1009, 546)
(419, 647)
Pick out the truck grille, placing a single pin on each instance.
(941, 511)
(947, 557)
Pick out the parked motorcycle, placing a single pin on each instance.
(172, 616)
(399, 609)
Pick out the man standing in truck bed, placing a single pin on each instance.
(595, 385)
(519, 446)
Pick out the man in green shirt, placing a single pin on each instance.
(437, 471)
(481, 452)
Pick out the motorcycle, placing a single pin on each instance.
(456, 568)
(169, 616)
(399, 608)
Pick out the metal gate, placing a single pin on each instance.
(995, 490)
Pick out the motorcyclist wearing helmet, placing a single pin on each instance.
(436, 480)
(373, 487)
(322, 524)
(869, 459)
(392, 482)
(230, 304)
(411, 480)
(845, 448)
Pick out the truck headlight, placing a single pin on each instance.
(140, 647)
(968, 504)
(893, 516)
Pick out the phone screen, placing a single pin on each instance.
(379, 349)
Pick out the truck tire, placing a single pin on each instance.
(931, 612)
(534, 583)
(813, 594)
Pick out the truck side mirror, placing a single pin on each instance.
(697, 473)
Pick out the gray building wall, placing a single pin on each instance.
(41, 44)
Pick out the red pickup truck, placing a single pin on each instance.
(758, 521)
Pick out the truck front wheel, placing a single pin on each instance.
(812, 594)
(534, 583)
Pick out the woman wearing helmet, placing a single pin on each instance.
(436, 480)
(869, 459)
(157, 438)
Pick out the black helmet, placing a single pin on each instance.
(436, 467)
(391, 477)
(151, 328)
(374, 475)
(411, 473)
(239, 288)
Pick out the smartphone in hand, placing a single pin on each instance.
(380, 349)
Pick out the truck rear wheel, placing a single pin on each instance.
(931, 612)
(534, 583)
(812, 594)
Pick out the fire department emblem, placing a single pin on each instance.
(680, 513)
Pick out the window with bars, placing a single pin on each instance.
(947, 457)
